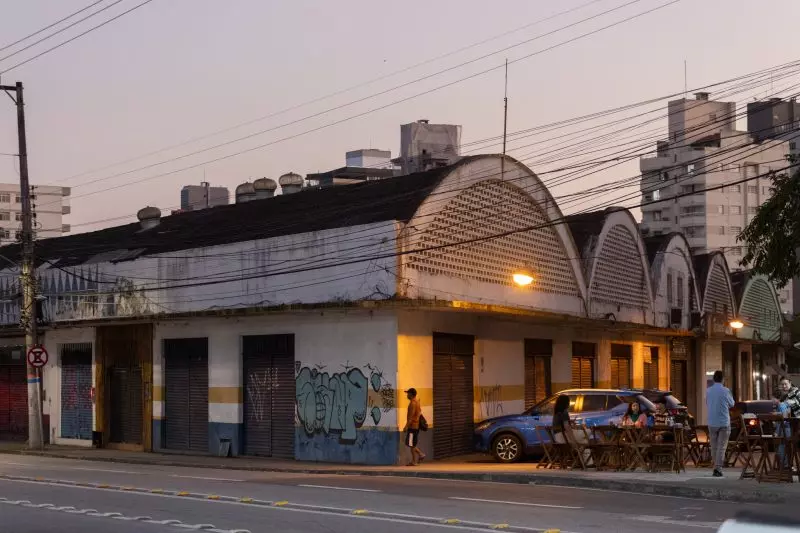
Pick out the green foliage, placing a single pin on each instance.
(773, 236)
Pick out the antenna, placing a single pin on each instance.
(685, 80)
(505, 111)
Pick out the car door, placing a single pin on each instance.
(592, 410)
(616, 409)
(542, 415)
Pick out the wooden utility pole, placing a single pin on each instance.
(28, 318)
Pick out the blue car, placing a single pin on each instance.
(512, 437)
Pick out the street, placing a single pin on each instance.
(37, 492)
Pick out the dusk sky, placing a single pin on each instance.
(174, 70)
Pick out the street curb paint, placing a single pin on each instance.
(745, 494)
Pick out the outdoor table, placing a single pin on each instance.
(635, 444)
(606, 448)
(666, 450)
(771, 466)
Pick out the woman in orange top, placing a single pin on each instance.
(412, 427)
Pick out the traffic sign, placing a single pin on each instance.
(37, 356)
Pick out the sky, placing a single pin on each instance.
(175, 70)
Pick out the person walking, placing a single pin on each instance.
(719, 402)
(412, 427)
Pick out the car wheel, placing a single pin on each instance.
(507, 448)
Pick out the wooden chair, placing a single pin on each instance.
(549, 460)
(753, 449)
(580, 440)
(666, 449)
(700, 446)
(565, 455)
(771, 466)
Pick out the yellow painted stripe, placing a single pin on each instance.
(158, 393)
(499, 393)
(558, 387)
(225, 395)
(602, 384)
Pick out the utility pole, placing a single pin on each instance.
(28, 317)
(505, 126)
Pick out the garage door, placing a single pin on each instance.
(13, 396)
(76, 391)
(269, 395)
(453, 403)
(186, 394)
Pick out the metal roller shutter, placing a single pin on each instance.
(583, 355)
(453, 395)
(124, 386)
(621, 355)
(76, 387)
(269, 395)
(538, 353)
(186, 394)
(677, 379)
(651, 373)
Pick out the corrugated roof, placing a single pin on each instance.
(585, 226)
(310, 210)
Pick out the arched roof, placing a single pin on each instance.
(613, 256)
(758, 306)
(714, 283)
(671, 243)
(481, 197)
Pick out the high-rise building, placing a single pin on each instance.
(50, 204)
(705, 150)
(194, 197)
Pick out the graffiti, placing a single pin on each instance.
(338, 403)
(259, 393)
(490, 401)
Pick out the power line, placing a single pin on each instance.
(330, 95)
(345, 119)
(65, 28)
(59, 21)
(37, 56)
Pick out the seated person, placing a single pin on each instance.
(634, 417)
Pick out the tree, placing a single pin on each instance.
(772, 238)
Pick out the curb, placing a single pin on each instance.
(749, 494)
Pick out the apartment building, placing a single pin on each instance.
(50, 203)
(706, 151)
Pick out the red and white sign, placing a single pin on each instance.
(37, 356)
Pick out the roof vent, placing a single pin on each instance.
(264, 188)
(701, 96)
(245, 193)
(149, 217)
(291, 183)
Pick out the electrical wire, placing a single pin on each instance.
(71, 39)
(59, 21)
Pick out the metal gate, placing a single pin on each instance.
(538, 354)
(186, 394)
(124, 382)
(583, 356)
(13, 394)
(269, 395)
(453, 396)
(76, 391)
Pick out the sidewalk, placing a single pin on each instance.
(694, 483)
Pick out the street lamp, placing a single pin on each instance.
(523, 278)
(736, 323)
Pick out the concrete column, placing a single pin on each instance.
(561, 365)
(602, 367)
(709, 360)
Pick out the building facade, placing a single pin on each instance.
(293, 334)
(704, 151)
(50, 204)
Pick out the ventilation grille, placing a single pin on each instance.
(717, 298)
(758, 307)
(486, 209)
(620, 276)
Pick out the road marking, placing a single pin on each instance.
(337, 488)
(107, 470)
(669, 521)
(629, 493)
(300, 508)
(203, 478)
(524, 504)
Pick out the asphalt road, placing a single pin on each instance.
(42, 496)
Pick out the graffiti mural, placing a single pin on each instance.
(491, 401)
(338, 403)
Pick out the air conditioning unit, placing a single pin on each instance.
(676, 317)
